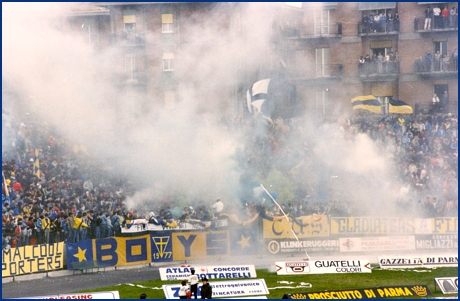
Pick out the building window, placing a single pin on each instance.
(130, 67)
(130, 22)
(167, 23)
(321, 22)
(321, 102)
(322, 62)
(168, 61)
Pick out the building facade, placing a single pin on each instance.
(167, 47)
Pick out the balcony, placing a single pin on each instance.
(384, 72)
(437, 25)
(332, 30)
(378, 29)
(128, 39)
(135, 78)
(442, 69)
(321, 73)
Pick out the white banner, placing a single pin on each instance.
(97, 295)
(448, 285)
(141, 225)
(210, 272)
(182, 272)
(224, 289)
(398, 262)
(322, 267)
(380, 243)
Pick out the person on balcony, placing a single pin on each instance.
(437, 17)
(365, 24)
(383, 22)
(390, 20)
(452, 14)
(380, 63)
(428, 17)
(396, 22)
(455, 60)
(445, 63)
(428, 59)
(445, 17)
(437, 61)
(435, 103)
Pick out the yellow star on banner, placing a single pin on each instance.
(244, 242)
(80, 255)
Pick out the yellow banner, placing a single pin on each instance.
(122, 251)
(31, 259)
(199, 245)
(445, 225)
(303, 227)
(372, 225)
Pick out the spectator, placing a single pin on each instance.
(445, 17)
(428, 17)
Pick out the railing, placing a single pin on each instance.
(135, 78)
(321, 71)
(435, 66)
(316, 31)
(386, 27)
(128, 39)
(436, 24)
(378, 68)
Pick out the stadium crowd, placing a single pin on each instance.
(74, 198)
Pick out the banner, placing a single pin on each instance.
(322, 267)
(140, 226)
(112, 251)
(303, 226)
(161, 244)
(31, 259)
(97, 295)
(415, 261)
(366, 293)
(210, 272)
(448, 285)
(436, 242)
(199, 245)
(244, 239)
(393, 225)
(224, 289)
(311, 245)
(380, 243)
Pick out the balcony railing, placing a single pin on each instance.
(316, 31)
(321, 71)
(380, 28)
(378, 69)
(436, 24)
(436, 67)
(128, 39)
(134, 78)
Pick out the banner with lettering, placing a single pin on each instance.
(224, 289)
(300, 267)
(436, 242)
(210, 272)
(112, 251)
(418, 261)
(377, 243)
(303, 226)
(31, 259)
(302, 246)
(417, 290)
(393, 225)
(199, 245)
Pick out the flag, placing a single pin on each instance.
(36, 164)
(79, 252)
(368, 102)
(399, 107)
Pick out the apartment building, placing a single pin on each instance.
(166, 47)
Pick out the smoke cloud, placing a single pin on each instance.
(186, 151)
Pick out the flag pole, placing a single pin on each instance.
(292, 230)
